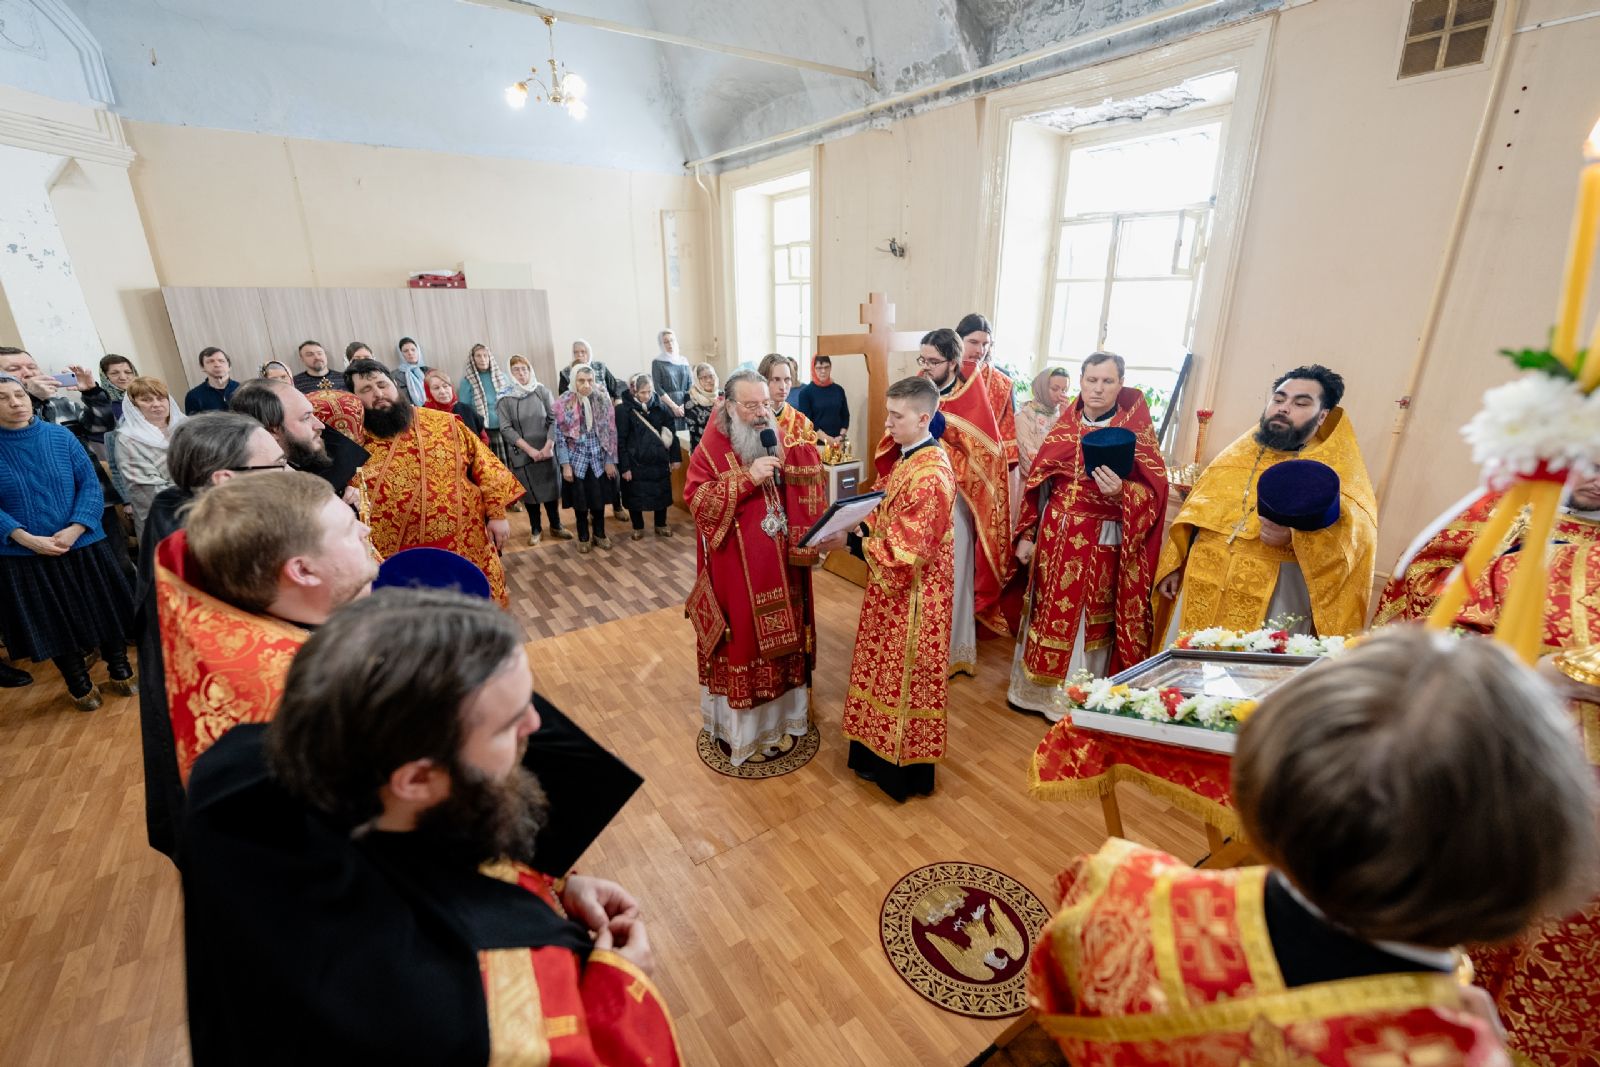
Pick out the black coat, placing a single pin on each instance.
(163, 788)
(641, 453)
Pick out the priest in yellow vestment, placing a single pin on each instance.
(430, 481)
(1223, 565)
(894, 715)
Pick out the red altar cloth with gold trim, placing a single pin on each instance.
(899, 678)
(223, 666)
(751, 606)
(435, 485)
(545, 1009)
(973, 440)
(1072, 764)
(1073, 575)
(1149, 961)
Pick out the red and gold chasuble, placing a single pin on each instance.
(223, 666)
(973, 441)
(1149, 961)
(899, 679)
(794, 427)
(435, 486)
(998, 387)
(343, 411)
(1073, 574)
(1419, 577)
(1546, 982)
(751, 604)
(545, 1010)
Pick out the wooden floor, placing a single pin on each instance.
(762, 897)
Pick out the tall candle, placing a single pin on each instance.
(1580, 256)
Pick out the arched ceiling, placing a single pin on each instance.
(431, 73)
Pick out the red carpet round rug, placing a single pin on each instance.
(793, 753)
(960, 934)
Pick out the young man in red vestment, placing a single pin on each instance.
(975, 444)
(358, 879)
(430, 481)
(1092, 543)
(977, 345)
(894, 715)
(260, 561)
(751, 604)
(1416, 793)
(779, 371)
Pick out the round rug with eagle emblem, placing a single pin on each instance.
(960, 934)
(793, 753)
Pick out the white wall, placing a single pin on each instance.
(235, 209)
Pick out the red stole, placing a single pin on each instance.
(1141, 510)
(223, 666)
(744, 571)
(976, 446)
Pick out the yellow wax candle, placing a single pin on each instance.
(1443, 615)
(1580, 255)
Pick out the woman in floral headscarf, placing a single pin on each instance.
(116, 374)
(482, 386)
(586, 448)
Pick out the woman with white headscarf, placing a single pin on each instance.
(527, 422)
(410, 370)
(669, 374)
(148, 419)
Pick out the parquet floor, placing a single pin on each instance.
(554, 589)
(762, 897)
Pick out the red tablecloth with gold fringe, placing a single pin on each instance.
(1073, 764)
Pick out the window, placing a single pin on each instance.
(1129, 248)
(791, 275)
(1441, 34)
(772, 268)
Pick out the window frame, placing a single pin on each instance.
(804, 286)
(1407, 38)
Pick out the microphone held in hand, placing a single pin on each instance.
(769, 441)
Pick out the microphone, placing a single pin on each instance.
(769, 441)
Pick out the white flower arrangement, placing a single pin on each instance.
(1534, 421)
(1169, 706)
(1273, 637)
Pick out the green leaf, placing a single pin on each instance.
(1544, 361)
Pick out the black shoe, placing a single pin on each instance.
(120, 672)
(12, 678)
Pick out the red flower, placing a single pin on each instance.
(1182, 642)
(1171, 697)
(1280, 640)
(1076, 694)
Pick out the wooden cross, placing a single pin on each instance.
(881, 338)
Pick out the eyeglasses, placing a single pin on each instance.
(281, 465)
(924, 361)
(753, 406)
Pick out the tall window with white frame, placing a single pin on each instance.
(1126, 266)
(791, 274)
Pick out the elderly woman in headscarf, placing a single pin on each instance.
(409, 370)
(62, 589)
(527, 419)
(276, 370)
(583, 355)
(586, 448)
(481, 386)
(1051, 387)
(116, 374)
(647, 453)
(669, 374)
(703, 395)
(148, 418)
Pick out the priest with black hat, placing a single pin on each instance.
(1087, 539)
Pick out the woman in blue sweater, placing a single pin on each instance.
(61, 589)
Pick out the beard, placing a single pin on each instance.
(390, 421)
(746, 439)
(1284, 437)
(311, 458)
(489, 820)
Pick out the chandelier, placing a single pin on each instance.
(566, 89)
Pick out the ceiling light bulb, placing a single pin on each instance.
(517, 95)
(577, 109)
(573, 85)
